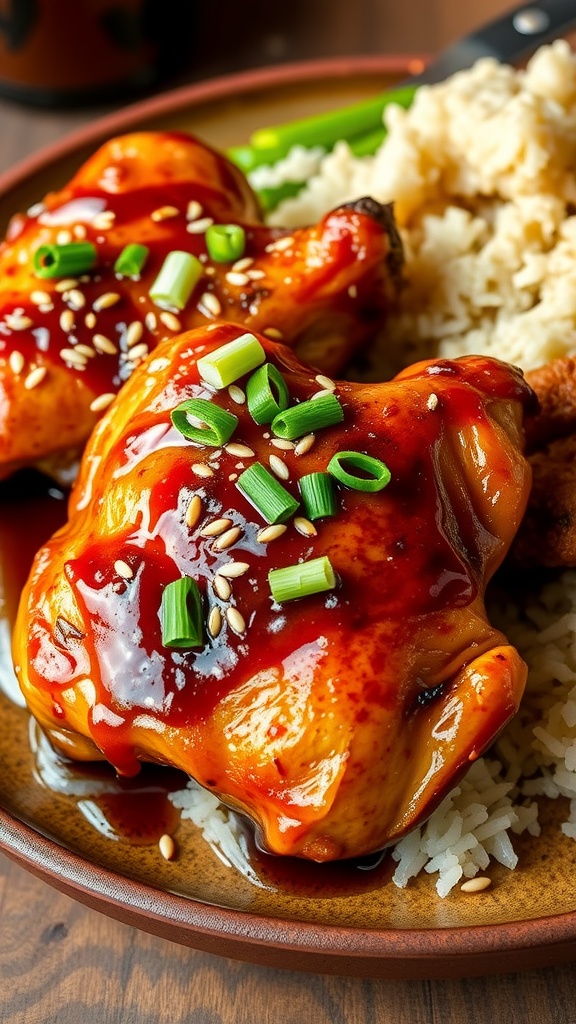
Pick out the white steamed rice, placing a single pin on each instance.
(481, 170)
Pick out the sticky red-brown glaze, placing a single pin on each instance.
(336, 721)
(323, 291)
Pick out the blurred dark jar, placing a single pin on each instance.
(71, 52)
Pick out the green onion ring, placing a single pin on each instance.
(216, 425)
(379, 474)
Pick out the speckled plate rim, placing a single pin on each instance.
(295, 945)
(269, 941)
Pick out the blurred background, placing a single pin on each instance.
(64, 62)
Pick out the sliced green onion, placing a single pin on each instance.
(181, 614)
(215, 426)
(231, 361)
(131, 260)
(274, 503)
(312, 415)
(376, 474)
(225, 242)
(326, 129)
(263, 404)
(302, 579)
(177, 278)
(318, 495)
(271, 197)
(367, 145)
(64, 260)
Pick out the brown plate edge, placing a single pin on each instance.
(201, 92)
(294, 945)
(302, 946)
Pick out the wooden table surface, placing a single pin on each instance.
(61, 963)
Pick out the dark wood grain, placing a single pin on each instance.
(61, 963)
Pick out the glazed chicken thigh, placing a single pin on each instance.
(335, 720)
(68, 342)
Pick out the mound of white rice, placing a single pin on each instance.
(482, 173)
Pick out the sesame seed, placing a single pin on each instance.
(233, 569)
(255, 275)
(67, 320)
(73, 358)
(46, 307)
(273, 333)
(79, 231)
(167, 846)
(22, 257)
(75, 298)
(353, 291)
(477, 884)
(170, 321)
(18, 323)
(322, 393)
(35, 210)
(271, 533)
(236, 620)
(65, 285)
(305, 527)
(136, 353)
(16, 361)
(227, 539)
(90, 320)
(325, 382)
(211, 303)
(102, 401)
(241, 451)
(123, 569)
(105, 301)
(134, 332)
(35, 377)
(216, 527)
(64, 237)
(215, 621)
(164, 213)
(243, 264)
(432, 402)
(39, 298)
(236, 279)
(283, 444)
(85, 350)
(200, 469)
(104, 220)
(193, 511)
(281, 244)
(194, 210)
(160, 363)
(304, 444)
(199, 225)
(279, 467)
(150, 321)
(236, 394)
(222, 588)
(104, 345)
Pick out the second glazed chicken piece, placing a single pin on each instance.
(336, 718)
(547, 535)
(68, 342)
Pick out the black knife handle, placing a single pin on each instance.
(509, 39)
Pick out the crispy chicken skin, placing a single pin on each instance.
(547, 535)
(323, 289)
(335, 721)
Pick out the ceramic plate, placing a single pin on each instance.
(73, 832)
